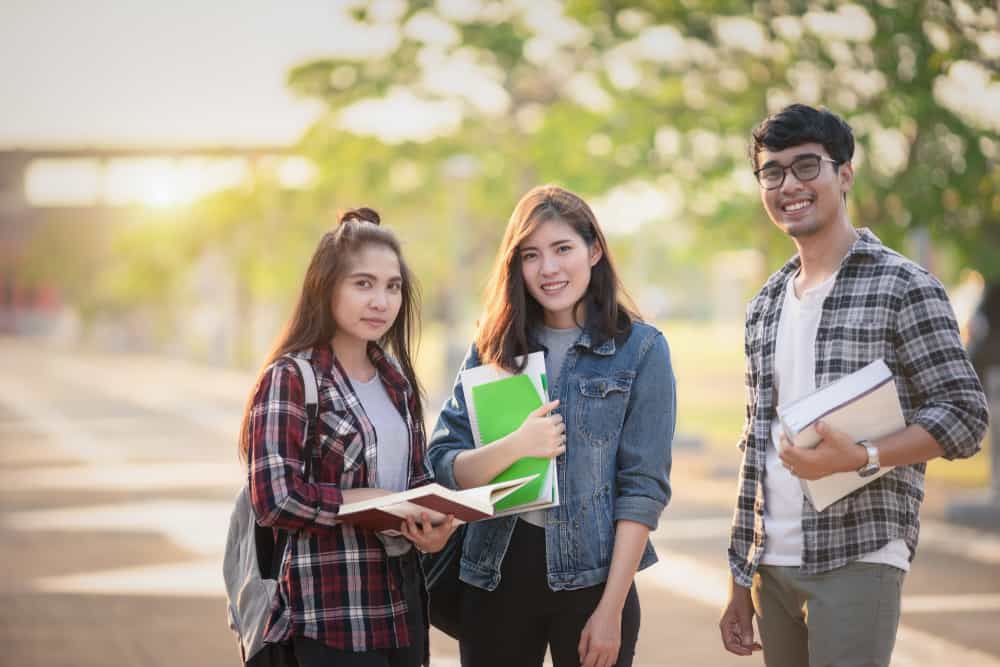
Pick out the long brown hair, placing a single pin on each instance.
(312, 324)
(512, 313)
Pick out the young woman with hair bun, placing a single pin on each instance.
(346, 596)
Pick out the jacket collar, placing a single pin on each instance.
(592, 338)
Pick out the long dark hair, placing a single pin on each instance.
(512, 313)
(311, 323)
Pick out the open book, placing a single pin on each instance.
(863, 404)
(387, 512)
(498, 403)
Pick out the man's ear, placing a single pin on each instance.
(595, 253)
(846, 176)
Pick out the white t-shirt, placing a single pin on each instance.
(393, 438)
(794, 377)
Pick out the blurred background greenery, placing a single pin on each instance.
(441, 114)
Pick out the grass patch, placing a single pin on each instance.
(708, 363)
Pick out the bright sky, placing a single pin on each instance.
(153, 72)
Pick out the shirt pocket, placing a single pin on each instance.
(601, 405)
(860, 337)
(340, 438)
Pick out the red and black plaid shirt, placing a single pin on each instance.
(336, 584)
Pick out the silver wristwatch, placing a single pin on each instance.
(873, 465)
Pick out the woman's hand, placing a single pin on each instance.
(601, 638)
(428, 539)
(542, 434)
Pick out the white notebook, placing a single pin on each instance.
(864, 404)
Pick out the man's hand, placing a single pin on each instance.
(601, 638)
(736, 623)
(836, 452)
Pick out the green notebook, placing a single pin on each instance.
(498, 403)
(501, 407)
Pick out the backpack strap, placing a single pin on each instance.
(312, 408)
(312, 412)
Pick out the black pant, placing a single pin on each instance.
(513, 625)
(312, 653)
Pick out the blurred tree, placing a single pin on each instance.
(611, 91)
(643, 107)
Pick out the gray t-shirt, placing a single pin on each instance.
(393, 450)
(557, 342)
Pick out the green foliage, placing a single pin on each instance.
(596, 94)
(883, 82)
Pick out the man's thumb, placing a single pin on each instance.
(746, 634)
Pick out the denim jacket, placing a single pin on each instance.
(618, 400)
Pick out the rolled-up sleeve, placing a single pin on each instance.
(281, 496)
(951, 405)
(453, 433)
(643, 475)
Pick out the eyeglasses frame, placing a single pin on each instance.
(786, 168)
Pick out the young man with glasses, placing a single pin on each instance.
(825, 586)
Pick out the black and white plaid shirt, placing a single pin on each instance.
(882, 306)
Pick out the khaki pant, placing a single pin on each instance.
(843, 618)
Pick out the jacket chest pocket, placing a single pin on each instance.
(600, 410)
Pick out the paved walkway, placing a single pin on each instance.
(115, 487)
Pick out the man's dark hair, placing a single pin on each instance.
(801, 124)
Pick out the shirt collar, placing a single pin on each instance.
(325, 360)
(866, 245)
(387, 369)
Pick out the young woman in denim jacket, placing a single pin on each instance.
(562, 578)
(347, 596)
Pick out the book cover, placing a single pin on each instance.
(864, 404)
(498, 403)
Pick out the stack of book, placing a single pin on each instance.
(498, 402)
(864, 404)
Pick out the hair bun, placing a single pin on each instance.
(363, 214)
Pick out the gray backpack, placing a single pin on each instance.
(253, 557)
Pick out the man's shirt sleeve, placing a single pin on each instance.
(952, 405)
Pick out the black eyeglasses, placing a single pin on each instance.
(805, 168)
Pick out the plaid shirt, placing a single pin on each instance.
(336, 584)
(882, 306)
